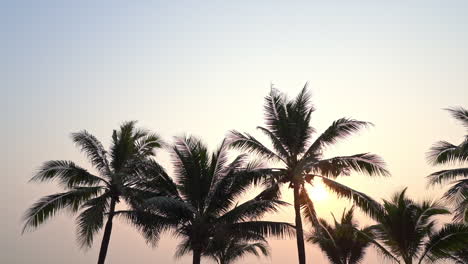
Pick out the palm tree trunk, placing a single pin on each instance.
(299, 231)
(107, 233)
(196, 256)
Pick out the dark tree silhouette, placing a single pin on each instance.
(343, 242)
(289, 130)
(443, 153)
(407, 229)
(201, 204)
(95, 196)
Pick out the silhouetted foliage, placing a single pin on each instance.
(229, 249)
(94, 197)
(343, 242)
(290, 133)
(201, 204)
(444, 153)
(408, 229)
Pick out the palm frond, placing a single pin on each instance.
(183, 248)
(459, 113)
(93, 148)
(67, 173)
(426, 210)
(170, 207)
(265, 228)
(147, 143)
(363, 201)
(123, 146)
(308, 209)
(447, 175)
(460, 213)
(367, 234)
(236, 250)
(219, 161)
(251, 210)
(458, 192)
(281, 150)
(289, 119)
(246, 142)
(91, 220)
(444, 152)
(192, 169)
(50, 205)
(236, 181)
(365, 163)
(153, 177)
(274, 107)
(272, 192)
(150, 225)
(339, 129)
(219, 169)
(442, 245)
(299, 113)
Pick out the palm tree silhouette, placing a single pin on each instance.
(288, 128)
(407, 228)
(226, 250)
(343, 242)
(444, 152)
(95, 196)
(202, 203)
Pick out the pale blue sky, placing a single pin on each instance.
(203, 67)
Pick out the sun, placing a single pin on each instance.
(317, 192)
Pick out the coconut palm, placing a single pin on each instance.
(444, 152)
(289, 130)
(407, 229)
(94, 196)
(202, 202)
(343, 242)
(227, 250)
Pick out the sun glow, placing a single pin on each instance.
(317, 191)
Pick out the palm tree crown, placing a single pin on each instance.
(342, 242)
(407, 228)
(201, 205)
(444, 152)
(288, 128)
(95, 196)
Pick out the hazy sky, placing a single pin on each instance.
(203, 67)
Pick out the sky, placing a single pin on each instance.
(203, 68)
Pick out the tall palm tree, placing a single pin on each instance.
(343, 242)
(202, 202)
(94, 196)
(289, 130)
(444, 152)
(226, 250)
(407, 228)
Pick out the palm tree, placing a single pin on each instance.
(444, 152)
(94, 196)
(226, 250)
(343, 242)
(288, 128)
(407, 228)
(202, 203)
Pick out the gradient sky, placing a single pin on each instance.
(203, 67)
